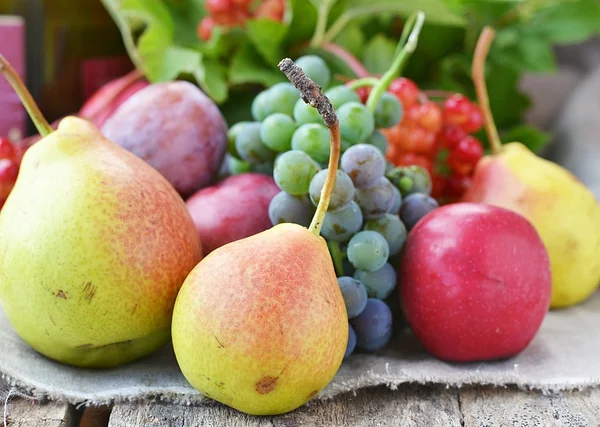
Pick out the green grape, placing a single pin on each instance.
(368, 250)
(356, 122)
(304, 113)
(276, 132)
(392, 229)
(378, 140)
(340, 95)
(342, 194)
(388, 111)
(250, 147)
(283, 98)
(313, 139)
(261, 106)
(345, 145)
(236, 166)
(232, 134)
(293, 172)
(315, 68)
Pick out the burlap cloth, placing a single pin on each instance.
(565, 354)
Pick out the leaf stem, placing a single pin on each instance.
(27, 100)
(478, 74)
(353, 63)
(324, 6)
(399, 61)
(313, 95)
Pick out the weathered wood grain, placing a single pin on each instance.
(408, 407)
(486, 407)
(22, 413)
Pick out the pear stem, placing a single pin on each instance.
(312, 94)
(19, 87)
(478, 74)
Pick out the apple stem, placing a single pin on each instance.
(19, 87)
(478, 74)
(312, 94)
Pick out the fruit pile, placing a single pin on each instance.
(235, 13)
(370, 212)
(436, 138)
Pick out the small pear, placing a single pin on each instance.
(94, 246)
(260, 324)
(564, 212)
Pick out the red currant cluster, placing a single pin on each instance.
(435, 137)
(235, 13)
(10, 160)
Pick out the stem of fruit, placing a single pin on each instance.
(399, 61)
(353, 63)
(312, 94)
(366, 81)
(478, 74)
(19, 87)
(336, 257)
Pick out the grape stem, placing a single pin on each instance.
(353, 63)
(312, 94)
(478, 75)
(399, 60)
(19, 87)
(365, 81)
(323, 7)
(336, 257)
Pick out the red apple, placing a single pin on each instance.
(235, 208)
(474, 282)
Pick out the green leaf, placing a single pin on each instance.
(567, 22)
(531, 137)
(352, 39)
(525, 53)
(379, 54)
(248, 67)
(212, 75)
(436, 11)
(267, 35)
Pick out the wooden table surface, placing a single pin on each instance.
(408, 406)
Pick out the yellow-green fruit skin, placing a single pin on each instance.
(94, 246)
(564, 212)
(260, 324)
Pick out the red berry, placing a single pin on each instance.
(7, 150)
(456, 185)
(409, 159)
(271, 9)
(438, 186)
(475, 122)
(205, 28)
(457, 109)
(8, 170)
(242, 3)
(215, 7)
(469, 149)
(405, 90)
(430, 117)
(412, 116)
(451, 136)
(464, 156)
(233, 17)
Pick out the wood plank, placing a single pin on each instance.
(486, 407)
(410, 406)
(22, 413)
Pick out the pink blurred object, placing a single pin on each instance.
(12, 114)
(102, 104)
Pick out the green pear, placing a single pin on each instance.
(260, 324)
(94, 246)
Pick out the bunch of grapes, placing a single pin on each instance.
(10, 160)
(235, 13)
(436, 138)
(373, 205)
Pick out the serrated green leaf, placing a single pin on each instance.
(379, 54)
(248, 67)
(531, 137)
(267, 35)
